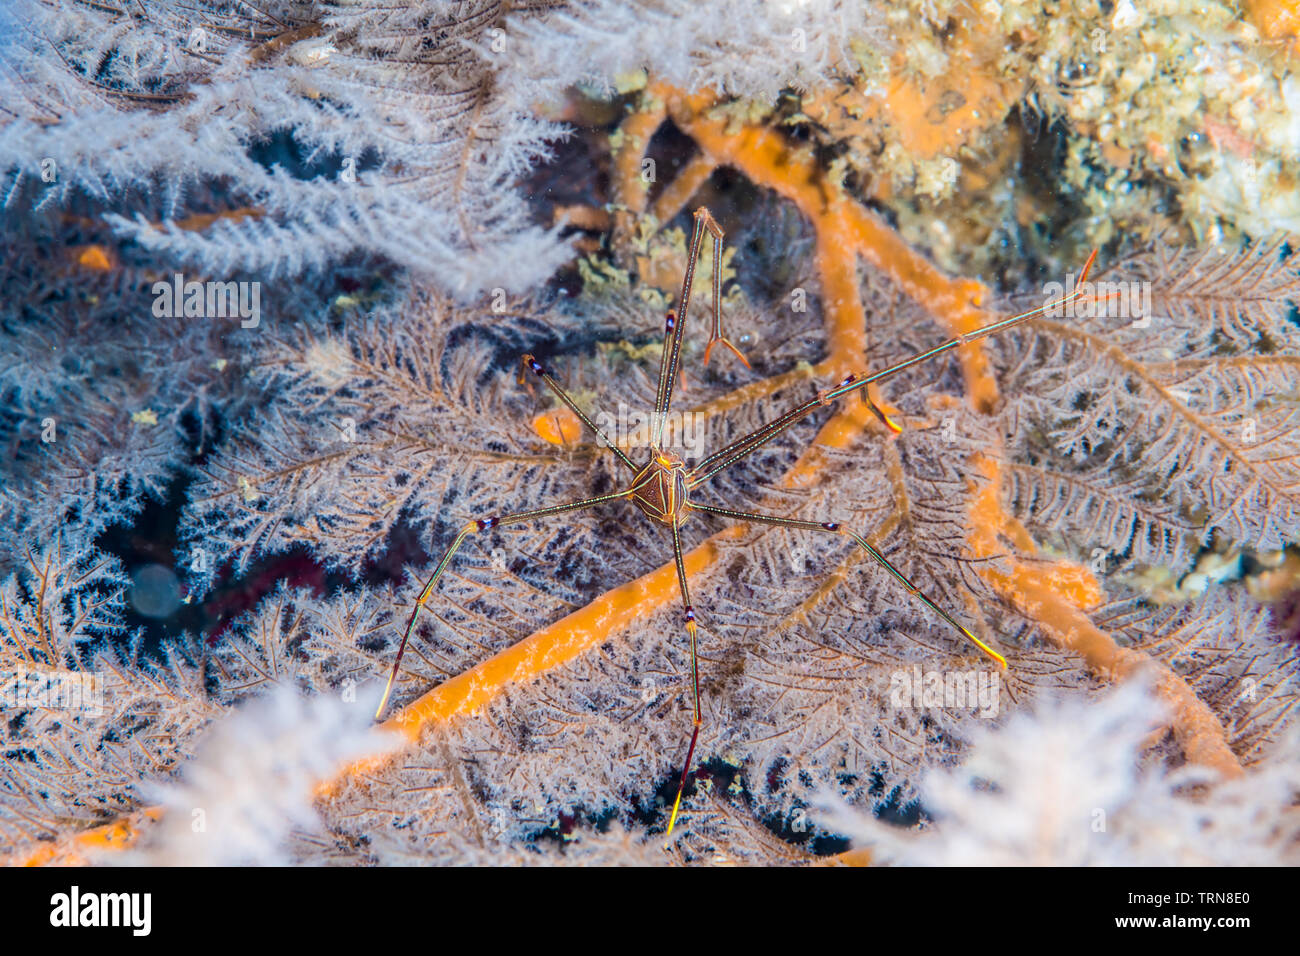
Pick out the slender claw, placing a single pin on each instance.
(885, 420)
(727, 342)
(985, 648)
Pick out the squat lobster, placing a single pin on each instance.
(662, 487)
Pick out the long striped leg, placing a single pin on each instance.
(482, 524)
(975, 335)
(738, 449)
(540, 371)
(675, 325)
(830, 527)
(726, 457)
(695, 673)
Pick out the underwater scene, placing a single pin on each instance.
(648, 432)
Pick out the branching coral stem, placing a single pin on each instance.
(1055, 595)
(1120, 359)
(684, 185)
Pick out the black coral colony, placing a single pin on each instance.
(267, 276)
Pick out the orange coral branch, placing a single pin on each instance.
(582, 216)
(1055, 594)
(553, 645)
(854, 857)
(121, 834)
(630, 189)
(679, 192)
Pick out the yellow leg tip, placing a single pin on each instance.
(985, 648)
(993, 654)
(383, 701)
(672, 821)
(1002, 661)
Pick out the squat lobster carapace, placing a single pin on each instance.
(662, 487)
